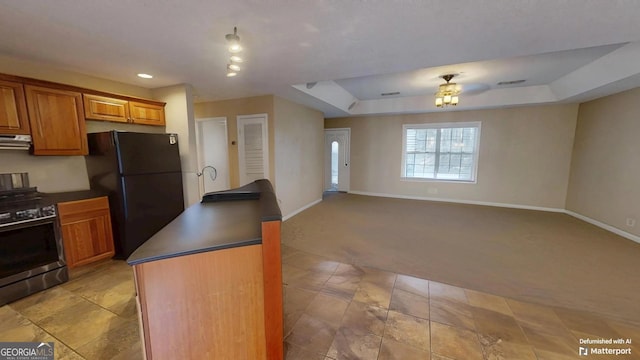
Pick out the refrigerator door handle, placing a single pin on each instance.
(123, 198)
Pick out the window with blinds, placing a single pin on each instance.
(445, 151)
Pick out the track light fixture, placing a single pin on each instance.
(235, 49)
(234, 41)
(232, 72)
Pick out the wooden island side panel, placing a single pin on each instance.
(208, 305)
(273, 301)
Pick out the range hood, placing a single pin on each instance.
(15, 142)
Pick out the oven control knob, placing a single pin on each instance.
(48, 210)
(27, 214)
(5, 218)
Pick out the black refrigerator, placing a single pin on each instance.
(142, 175)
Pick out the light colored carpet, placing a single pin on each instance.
(549, 258)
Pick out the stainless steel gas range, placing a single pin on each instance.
(31, 251)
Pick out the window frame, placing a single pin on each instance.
(450, 125)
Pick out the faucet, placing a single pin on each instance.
(213, 173)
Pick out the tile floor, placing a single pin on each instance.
(339, 311)
(93, 316)
(333, 311)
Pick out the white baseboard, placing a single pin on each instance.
(597, 223)
(471, 202)
(296, 212)
(607, 227)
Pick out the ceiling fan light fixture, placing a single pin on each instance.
(233, 67)
(231, 73)
(447, 93)
(235, 59)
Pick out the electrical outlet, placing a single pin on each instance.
(631, 222)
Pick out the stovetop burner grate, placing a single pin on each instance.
(19, 198)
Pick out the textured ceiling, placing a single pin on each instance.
(353, 45)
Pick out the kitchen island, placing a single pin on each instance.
(209, 284)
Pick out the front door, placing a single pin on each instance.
(336, 150)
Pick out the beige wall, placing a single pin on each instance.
(524, 159)
(62, 173)
(605, 169)
(48, 173)
(231, 109)
(299, 138)
(180, 120)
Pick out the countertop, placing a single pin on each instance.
(212, 226)
(55, 198)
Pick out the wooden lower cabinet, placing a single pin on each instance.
(86, 230)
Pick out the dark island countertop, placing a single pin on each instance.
(231, 219)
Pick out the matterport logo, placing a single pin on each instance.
(26, 351)
(617, 347)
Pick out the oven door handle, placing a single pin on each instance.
(44, 219)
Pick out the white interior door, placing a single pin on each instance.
(337, 160)
(253, 148)
(213, 154)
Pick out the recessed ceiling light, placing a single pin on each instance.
(231, 74)
(236, 59)
(233, 67)
(145, 76)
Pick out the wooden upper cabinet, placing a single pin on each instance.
(57, 121)
(105, 108)
(13, 109)
(112, 109)
(146, 114)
